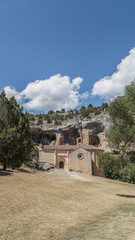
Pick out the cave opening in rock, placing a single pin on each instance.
(70, 137)
(48, 138)
(94, 140)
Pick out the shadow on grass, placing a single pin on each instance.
(10, 172)
(23, 170)
(126, 196)
(5, 173)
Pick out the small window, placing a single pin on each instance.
(80, 156)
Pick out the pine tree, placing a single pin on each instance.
(15, 140)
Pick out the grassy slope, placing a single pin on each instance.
(38, 205)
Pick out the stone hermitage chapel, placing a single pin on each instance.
(78, 158)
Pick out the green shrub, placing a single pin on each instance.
(127, 174)
(116, 167)
(70, 115)
(51, 112)
(57, 122)
(34, 165)
(97, 112)
(111, 165)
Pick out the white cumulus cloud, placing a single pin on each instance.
(54, 93)
(10, 91)
(112, 86)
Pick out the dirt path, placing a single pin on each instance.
(77, 176)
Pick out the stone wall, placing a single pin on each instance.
(48, 156)
(95, 167)
(79, 160)
(80, 164)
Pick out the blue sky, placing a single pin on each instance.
(82, 39)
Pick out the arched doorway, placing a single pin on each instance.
(61, 164)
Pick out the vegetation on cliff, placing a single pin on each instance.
(59, 116)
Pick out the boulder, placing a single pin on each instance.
(47, 166)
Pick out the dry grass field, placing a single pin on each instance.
(58, 205)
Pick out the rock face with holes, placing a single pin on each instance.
(76, 132)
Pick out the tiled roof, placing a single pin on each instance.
(71, 147)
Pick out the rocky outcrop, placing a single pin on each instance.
(87, 131)
(102, 139)
(45, 166)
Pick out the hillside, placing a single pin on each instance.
(59, 205)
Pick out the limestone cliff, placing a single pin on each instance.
(87, 131)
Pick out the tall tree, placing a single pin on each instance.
(15, 140)
(122, 113)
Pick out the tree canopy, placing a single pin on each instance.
(122, 113)
(121, 134)
(15, 140)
